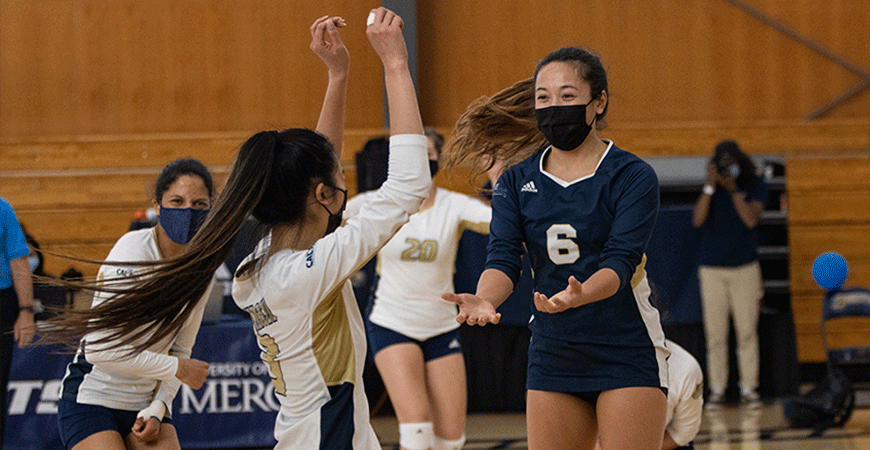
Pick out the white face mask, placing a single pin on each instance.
(34, 262)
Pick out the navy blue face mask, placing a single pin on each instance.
(180, 224)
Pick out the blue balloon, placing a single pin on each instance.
(830, 270)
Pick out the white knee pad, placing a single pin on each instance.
(443, 444)
(416, 436)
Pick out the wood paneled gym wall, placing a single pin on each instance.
(126, 66)
(667, 61)
(829, 210)
(96, 96)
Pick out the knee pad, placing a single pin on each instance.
(443, 444)
(416, 436)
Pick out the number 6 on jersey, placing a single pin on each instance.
(560, 247)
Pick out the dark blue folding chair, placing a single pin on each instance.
(831, 402)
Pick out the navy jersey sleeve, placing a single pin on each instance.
(636, 205)
(505, 249)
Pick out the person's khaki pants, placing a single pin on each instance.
(726, 292)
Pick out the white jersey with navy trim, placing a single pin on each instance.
(577, 227)
(308, 325)
(108, 377)
(685, 395)
(416, 266)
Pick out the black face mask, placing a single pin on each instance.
(565, 126)
(335, 219)
(433, 167)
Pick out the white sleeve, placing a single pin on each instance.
(355, 204)
(182, 348)
(146, 364)
(339, 255)
(475, 216)
(686, 420)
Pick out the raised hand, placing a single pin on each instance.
(473, 310)
(570, 297)
(712, 174)
(326, 43)
(384, 31)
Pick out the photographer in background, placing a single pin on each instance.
(727, 213)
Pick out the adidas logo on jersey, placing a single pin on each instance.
(529, 187)
(453, 344)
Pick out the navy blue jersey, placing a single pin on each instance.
(577, 228)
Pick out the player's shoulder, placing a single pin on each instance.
(453, 197)
(6, 210)
(618, 163)
(617, 156)
(136, 245)
(524, 168)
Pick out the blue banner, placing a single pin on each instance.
(235, 408)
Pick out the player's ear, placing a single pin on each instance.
(601, 102)
(320, 193)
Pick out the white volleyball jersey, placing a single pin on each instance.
(110, 378)
(685, 395)
(417, 265)
(306, 318)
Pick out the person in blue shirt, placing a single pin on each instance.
(16, 297)
(727, 213)
(583, 210)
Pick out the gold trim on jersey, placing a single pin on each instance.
(331, 340)
(639, 273)
(477, 227)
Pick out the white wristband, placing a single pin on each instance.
(156, 409)
(708, 189)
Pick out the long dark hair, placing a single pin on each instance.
(504, 127)
(271, 178)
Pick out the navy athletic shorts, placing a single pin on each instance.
(433, 348)
(77, 421)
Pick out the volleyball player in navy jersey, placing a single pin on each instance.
(584, 211)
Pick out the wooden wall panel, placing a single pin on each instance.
(87, 225)
(829, 211)
(89, 66)
(94, 67)
(94, 251)
(668, 61)
(841, 332)
(824, 137)
(807, 243)
(829, 206)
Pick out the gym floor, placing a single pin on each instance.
(729, 428)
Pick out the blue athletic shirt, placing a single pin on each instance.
(12, 243)
(576, 228)
(726, 241)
